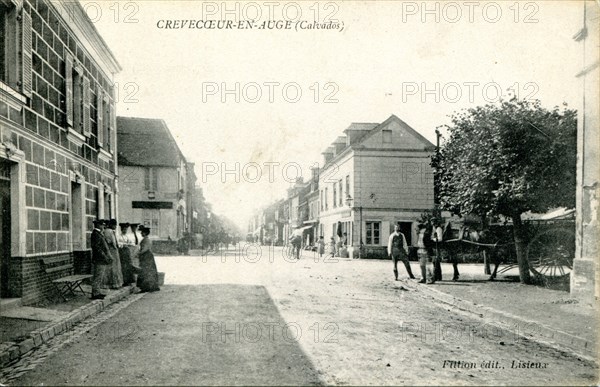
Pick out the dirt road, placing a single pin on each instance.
(227, 319)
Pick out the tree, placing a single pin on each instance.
(429, 217)
(506, 159)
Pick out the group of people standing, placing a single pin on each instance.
(334, 249)
(122, 258)
(430, 237)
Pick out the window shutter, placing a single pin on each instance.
(147, 179)
(154, 179)
(86, 96)
(26, 62)
(113, 128)
(69, 88)
(100, 114)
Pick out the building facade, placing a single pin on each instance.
(585, 278)
(58, 147)
(155, 178)
(374, 176)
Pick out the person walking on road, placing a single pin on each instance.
(101, 260)
(398, 251)
(321, 246)
(147, 279)
(296, 241)
(332, 247)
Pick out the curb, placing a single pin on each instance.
(40, 336)
(528, 329)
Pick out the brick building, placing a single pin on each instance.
(374, 176)
(57, 151)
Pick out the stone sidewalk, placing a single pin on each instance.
(21, 333)
(548, 316)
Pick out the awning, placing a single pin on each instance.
(300, 230)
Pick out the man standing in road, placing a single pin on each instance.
(398, 251)
(101, 259)
(296, 242)
(437, 235)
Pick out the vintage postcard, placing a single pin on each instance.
(299, 192)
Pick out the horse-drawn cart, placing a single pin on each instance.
(550, 247)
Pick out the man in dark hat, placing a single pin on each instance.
(101, 259)
(398, 251)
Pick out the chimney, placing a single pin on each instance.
(314, 173)
(328, 154)
(357, 130)
(339, 145)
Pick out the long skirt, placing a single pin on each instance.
(126, 265)
(115, 275)
(134, 253)
(147, 279)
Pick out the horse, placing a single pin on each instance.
(468, 239)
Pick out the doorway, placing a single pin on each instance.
(5, 228)
(76, 211)
(406, 229)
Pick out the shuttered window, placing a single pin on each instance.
(26, 55)
(112, 130)
(15, 48)
(69, 89)
(100, 114)
(334, 195)
(151, 179)
(86, 100)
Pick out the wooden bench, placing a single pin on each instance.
(68, 284)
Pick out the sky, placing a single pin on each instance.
(254, 108)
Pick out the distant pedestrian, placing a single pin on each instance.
(398, 251)
(321, 246)
(101, 260)
(148, 276)
(115, 275)
(183, 244)
(296, 241)
(331, 247)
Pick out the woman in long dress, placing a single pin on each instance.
(125, 243)
(147, 279)
(115, 273)
(321, 246)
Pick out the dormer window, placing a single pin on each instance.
(387, 136)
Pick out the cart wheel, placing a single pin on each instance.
(550, 253)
